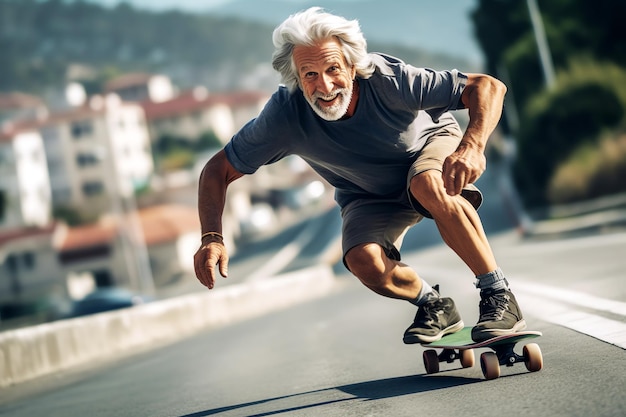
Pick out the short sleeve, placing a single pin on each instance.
(263, 140)
(435, 92)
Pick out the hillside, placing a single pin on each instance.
(433, 26)
(47, 43)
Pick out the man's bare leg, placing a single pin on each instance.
(457, 221)
(435, 317)
(462, 230)
(385, 276)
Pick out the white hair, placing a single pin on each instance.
(311, 26)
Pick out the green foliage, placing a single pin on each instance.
(38, 39)
(587, 99)
(588, 49)
(73, 216)
(173, 152)
(176, 160)
(592, 171)
(573, 28)
(208, 141)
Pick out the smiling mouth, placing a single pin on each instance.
(328, 99)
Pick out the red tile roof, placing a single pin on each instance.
(195, 99)
(16, 100)
(8, 236)
(128, 80)
(97, 234)
(160, 224)
(165, 223)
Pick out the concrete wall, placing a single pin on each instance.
(36, 351)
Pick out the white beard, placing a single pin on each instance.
(337, 110)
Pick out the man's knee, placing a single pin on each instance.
(429, 194)
(368, 263)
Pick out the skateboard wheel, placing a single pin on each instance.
(467, 358)
(431, 361)
(490, 365)
(533, 357)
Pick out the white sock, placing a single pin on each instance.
(492, 281)
(426, 294)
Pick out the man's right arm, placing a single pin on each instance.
(217, 174)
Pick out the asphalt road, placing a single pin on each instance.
(342, 355)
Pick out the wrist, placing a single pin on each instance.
(210, 237)
(466, 144)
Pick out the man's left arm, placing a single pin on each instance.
(483, 96)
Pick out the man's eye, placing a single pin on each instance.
(309, 75)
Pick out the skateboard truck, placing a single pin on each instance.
(506, 355)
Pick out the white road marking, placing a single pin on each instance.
(283, 257)
(547, 303)
(573, 297)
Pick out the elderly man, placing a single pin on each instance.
(380, 132)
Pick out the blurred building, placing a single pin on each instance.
(170, 233)
(19, 106)
(92, 153)
(25, 193)
(40, 264)
(92, 156)
(141, 87)
(29, 269)
(194, 112)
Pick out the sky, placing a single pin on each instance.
(190, 5)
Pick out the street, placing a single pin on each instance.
(342, 355)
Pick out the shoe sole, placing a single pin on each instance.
(491, 333)
(412, 339)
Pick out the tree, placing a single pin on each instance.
(586, 40)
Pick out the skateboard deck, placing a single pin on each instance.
(460, 346)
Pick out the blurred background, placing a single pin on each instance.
(109, 110)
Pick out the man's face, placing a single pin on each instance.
(325, 78)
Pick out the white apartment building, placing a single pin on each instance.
(97, 154)
(195, 112)
(25, 194)
(92, 158)
(29, 266)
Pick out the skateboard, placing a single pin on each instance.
(460, 346)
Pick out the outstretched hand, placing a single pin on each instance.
(206, 259)
(464, 166)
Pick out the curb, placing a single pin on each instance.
(591, 216)
(579, 224)
(37, 351)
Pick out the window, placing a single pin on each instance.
(93, 188)
(86, 159)
(81, 129)
(29, 260)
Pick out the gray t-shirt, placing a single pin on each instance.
(368, 154)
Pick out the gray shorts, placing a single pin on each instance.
(386, 221)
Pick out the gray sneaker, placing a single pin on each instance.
(433, 320)
(499, 315)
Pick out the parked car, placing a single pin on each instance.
(107, 299)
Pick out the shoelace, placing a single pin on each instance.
(493, 307)
(428, 312)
